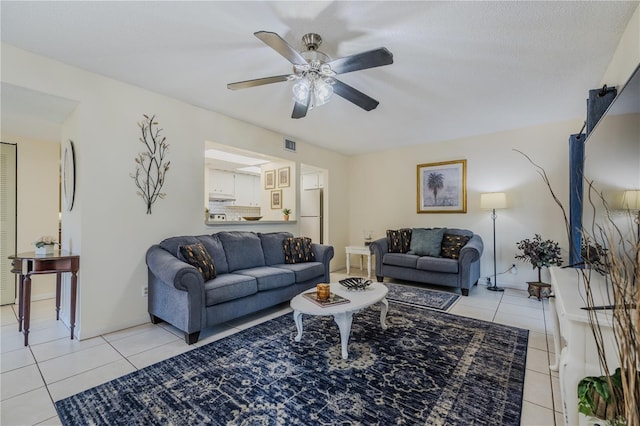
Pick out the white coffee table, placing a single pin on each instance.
(342, 313)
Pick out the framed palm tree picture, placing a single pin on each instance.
(442, 187)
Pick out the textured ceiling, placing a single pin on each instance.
(460, 68)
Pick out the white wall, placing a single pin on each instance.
(38, 199)
(109, 226)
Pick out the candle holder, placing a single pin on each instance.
(323, 292)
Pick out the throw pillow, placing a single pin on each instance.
(452, 244)
(426, 242)
(398, 241)
(197, 256)
(298, 250)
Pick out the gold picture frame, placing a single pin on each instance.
(270, 179)
(442, 187)
(283, 177)
(276, 199)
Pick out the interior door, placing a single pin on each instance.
(8, 218)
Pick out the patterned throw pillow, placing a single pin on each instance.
(298, 250)
(197, 256)
(452, 244)
(399, 241)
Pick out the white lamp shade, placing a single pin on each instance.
(631, 199)
(493, 200)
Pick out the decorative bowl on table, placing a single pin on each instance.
(355, 284)
(252, 217)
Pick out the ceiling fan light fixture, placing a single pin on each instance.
(301, 91)
(320, 88)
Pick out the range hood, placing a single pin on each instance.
(216, 196)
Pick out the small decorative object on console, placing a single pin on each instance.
(355, 284)
(45, 244)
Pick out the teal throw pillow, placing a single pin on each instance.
(426, 242)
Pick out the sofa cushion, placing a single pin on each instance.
(269, 278)
(426, 242)
(298, 250)
(304, 271)
(216, 251)
(399, 241)
(451, 245)
(399, 259)
(242, 249)
(229, 287)
(196, 255)
(272, 246)
(437, 264)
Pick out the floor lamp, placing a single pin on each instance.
(493, 201)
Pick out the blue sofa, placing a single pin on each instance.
(251, 274)
(461, 272)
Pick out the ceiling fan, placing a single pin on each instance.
(314, 73)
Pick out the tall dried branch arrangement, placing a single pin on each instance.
(151, 167)
(615, 255)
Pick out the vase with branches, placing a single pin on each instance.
(539, 253)
(614, 254)
(151, 165)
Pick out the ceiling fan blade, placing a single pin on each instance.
(360, 61)
(299, 110)
(257, 82)
(352, 95)
(278, 44)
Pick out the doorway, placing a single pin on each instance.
(8, 219)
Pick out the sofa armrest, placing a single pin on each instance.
(471, 251)
(324, 253)
(379, 247)
(173, 271)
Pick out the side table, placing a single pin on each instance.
(28, 264)
(362, 251)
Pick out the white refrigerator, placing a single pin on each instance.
(311, 215)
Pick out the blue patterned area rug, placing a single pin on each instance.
(428, 368)
(421, 296)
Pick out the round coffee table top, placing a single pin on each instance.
(357, 300)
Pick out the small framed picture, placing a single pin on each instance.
(276, 199)
(283, 177)
(442, 187)
(270, 179)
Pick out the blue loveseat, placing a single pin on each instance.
(251, 274)
(453, 264)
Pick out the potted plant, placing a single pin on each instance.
(539, 253)
(602, 397)
(45, 244)
(286, 213)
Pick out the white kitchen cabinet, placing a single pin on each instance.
(247, 190)
(312, 180)
(221, 182)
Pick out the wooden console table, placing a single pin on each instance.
(28, 264)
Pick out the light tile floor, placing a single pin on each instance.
(53, 367)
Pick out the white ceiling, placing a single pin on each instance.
(460, 68)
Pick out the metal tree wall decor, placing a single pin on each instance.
(151, 167)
